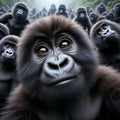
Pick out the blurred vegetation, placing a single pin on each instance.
(69, 3)
(93, 3)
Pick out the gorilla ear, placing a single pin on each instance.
(108, 79)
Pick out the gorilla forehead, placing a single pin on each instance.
(49, 26)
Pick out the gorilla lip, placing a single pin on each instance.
(63, 81)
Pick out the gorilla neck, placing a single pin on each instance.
(82, 109)
(8, 67)
(19, 20)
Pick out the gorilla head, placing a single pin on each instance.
(81, 13)
(117, 9)
(58, 55)
(8, 51)
(62, 8)
(20, 10)
(105, 34)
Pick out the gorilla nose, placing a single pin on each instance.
(56, 66)
(20, 12)
(9, 52)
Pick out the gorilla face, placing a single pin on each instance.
(110, 16)
(57, 60)
(8, 51)
(59, 68)
(105, 31)
(61, 10)
(117, 8)
(8, 54)
(93, 17)
(81, 15)
(20, 12)
(105, 34)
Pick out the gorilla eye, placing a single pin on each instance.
(42, 50)
(98, 32)
(65, 44)
(104, 27)
(7, 45)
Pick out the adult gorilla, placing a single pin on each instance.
(17, 20)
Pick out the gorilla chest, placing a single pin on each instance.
(84, 110)
(15, 25)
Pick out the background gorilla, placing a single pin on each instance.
(110, 16)
(106, 36)
(82, 18)
(52, 9)
(62, 10)
(71, 13)
(93, 17)
(101, 8)
(43, 12)
(3, 30)
(59, 75)
(117, 12)
(8, 77)
(16, 21)
(2, 10)
(89, 10)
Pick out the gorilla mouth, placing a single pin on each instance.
(113, 34)
(63, 81)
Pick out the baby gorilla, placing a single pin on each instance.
(60, 78)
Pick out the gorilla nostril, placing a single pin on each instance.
(64, 62)
(107, 31)
(9, 52)
(53, 66)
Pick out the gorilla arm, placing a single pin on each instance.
(110, 88)
(4, 18)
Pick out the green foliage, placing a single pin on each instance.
(92, 3)
(69, 3)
